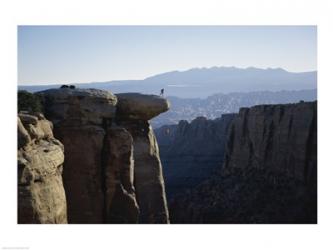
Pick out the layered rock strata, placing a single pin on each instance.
(41, 195)
(277, 138)
(108, 150)
(269, 173)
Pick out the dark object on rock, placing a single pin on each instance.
(64, 87)
(71, 86)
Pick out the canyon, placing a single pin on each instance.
(192, 151)
(112, 171)
(94, 158)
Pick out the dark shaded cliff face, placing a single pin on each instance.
(192, 152)
(269, 173)
(108, 178)
(277, 138)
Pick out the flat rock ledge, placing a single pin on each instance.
(140, 107)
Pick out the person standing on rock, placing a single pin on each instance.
(162, 92)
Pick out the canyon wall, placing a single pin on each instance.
(269, 173)
(112, 171)
(192, 152)
(276, 138)
(41, 195)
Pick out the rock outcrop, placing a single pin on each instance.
(112, 171)
(41, 195)
(269, 173)
(149, 182)
(140, 107)
(276, 138)
(192, 152)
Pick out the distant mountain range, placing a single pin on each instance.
(203, 82)
(214, 106)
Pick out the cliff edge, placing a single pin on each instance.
(112, 171)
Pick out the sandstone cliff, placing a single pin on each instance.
(41, 195)
(112, 171)
(192, 152)
(277, 138)
(269, 173)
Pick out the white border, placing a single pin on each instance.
(235, 12)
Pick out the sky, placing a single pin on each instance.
(80, 54)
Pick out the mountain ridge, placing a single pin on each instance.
(202, 82)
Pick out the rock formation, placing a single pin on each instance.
(112, 171)
(41, 195)
(277, 138)
(269, 173)
(192, 152)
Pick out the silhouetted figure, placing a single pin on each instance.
(64, 87)
(162, 92)
(71, 86)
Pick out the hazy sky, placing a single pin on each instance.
(74, 54)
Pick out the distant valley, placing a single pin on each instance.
(214, 106)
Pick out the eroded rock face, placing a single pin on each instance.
(83, 172)
(277, 138)
(120, 198)
(269, 173)
(41, 195)
(103, 163)
(192, 152)
(149, 182)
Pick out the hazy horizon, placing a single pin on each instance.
(160, 73)
(85, 54)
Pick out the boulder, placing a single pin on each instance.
(140, 107)
(28, 119)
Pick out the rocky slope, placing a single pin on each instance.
(112, 171)
(269, 173)
(192, 152)
(41, 195)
